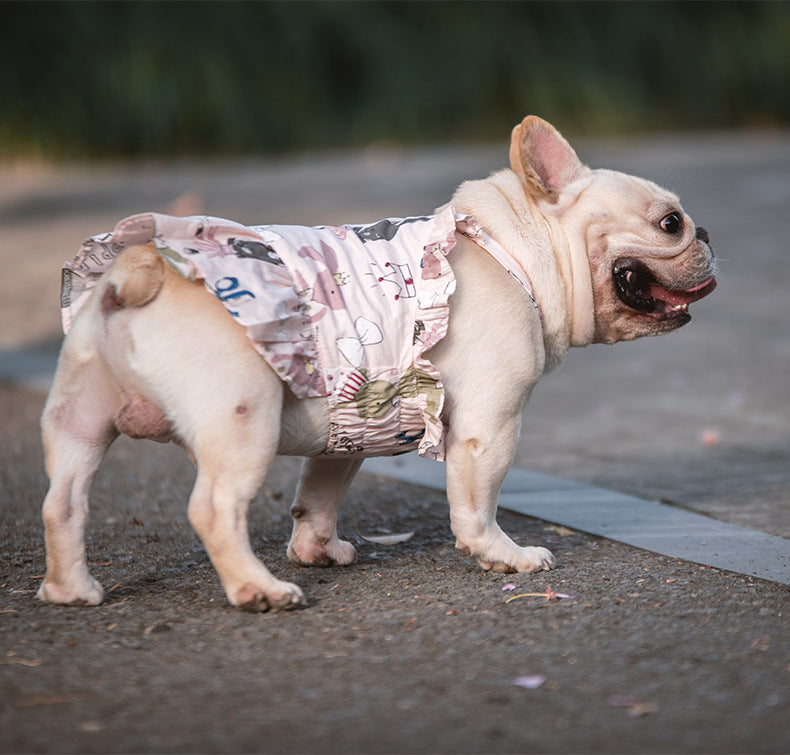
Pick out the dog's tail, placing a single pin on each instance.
(135, 279)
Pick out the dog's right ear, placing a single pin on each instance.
(542, 159)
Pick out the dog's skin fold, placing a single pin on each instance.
(610, 257)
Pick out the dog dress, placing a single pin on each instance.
(347, 313)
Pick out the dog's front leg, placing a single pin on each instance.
(322, 485)
(476, 468)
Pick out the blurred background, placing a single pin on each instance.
(332, 112)
(132, 79)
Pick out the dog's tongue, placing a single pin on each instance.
(657, 291)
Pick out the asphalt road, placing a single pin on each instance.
(414, 649)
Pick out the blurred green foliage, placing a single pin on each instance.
(158, 78)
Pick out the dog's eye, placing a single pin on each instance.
(672, 223)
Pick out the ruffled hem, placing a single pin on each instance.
(438, 283)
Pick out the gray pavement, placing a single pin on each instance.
(651, 525)
(414, 649)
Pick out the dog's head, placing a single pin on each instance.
(647, 259)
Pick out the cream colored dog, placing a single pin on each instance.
(609, 257)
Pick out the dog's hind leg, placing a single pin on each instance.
(77, 428)
(233, 449)
(322, 485)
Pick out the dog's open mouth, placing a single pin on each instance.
(639, 289)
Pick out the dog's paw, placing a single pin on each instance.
(278, 596)
(528, 559)
(89, 593)
(310, 551)
(504, 556)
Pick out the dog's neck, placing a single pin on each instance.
(571, 254)
(551, 261)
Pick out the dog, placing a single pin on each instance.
(164, 342)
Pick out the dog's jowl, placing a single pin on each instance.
(422, 334)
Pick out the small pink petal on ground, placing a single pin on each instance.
(508, 586)
(621, 701)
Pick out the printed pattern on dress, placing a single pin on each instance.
(347, 313)
(342, 312)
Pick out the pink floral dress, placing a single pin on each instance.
(347, 313)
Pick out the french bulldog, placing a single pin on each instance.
(517, 268)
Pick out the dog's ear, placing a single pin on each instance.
(542, 159)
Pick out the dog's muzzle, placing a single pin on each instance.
(640, 290)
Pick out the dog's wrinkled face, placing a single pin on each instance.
(648, 260)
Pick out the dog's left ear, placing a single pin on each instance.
(542, 159)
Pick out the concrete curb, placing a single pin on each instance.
(644, 524)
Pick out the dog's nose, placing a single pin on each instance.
(702, 234)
